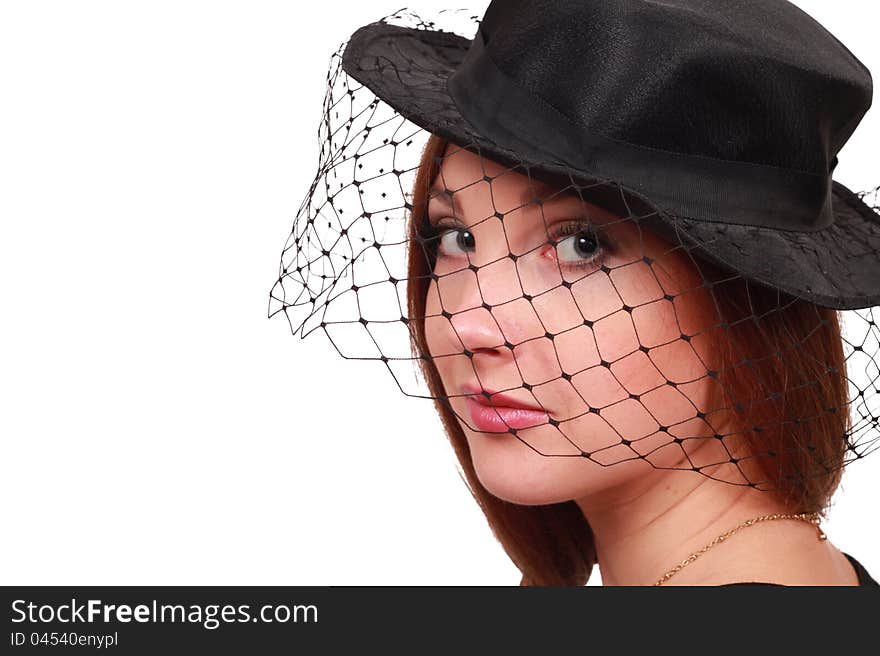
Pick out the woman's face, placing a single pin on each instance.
(585, 326)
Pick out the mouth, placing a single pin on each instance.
(498, 413)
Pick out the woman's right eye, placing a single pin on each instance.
(455, 241)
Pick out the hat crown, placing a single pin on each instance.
(753, 81)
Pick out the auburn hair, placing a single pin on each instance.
(773, 342)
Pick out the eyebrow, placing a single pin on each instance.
(445, 199)
(449, 201)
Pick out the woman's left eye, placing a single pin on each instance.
(456, 239)
(579, 248)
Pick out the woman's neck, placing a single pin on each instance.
(654, 523)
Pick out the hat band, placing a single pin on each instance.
(697, 187)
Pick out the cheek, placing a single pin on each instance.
(432, 300)
(439, 335)
(433, 329)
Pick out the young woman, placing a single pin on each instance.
(625, 262)
(516, 379)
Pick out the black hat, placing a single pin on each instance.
(725, 116)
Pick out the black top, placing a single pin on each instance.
(864, 577)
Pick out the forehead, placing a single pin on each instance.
(480, 183)
(460, 168)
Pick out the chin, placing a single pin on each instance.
(512, 471)
(517, 474)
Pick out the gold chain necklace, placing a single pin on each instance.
(813, 518)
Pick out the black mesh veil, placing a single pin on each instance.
(562, 313)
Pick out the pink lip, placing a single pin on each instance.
(500, 413)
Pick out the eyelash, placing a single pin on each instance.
(434, 232)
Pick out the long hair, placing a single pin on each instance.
(782, 375)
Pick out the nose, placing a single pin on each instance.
(478, 330)
(483, 297)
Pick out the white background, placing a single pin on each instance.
(156, 426)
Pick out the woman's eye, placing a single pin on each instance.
(580, 248)
(576, 246)
(453, 241)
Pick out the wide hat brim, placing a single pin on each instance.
(837, 266)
